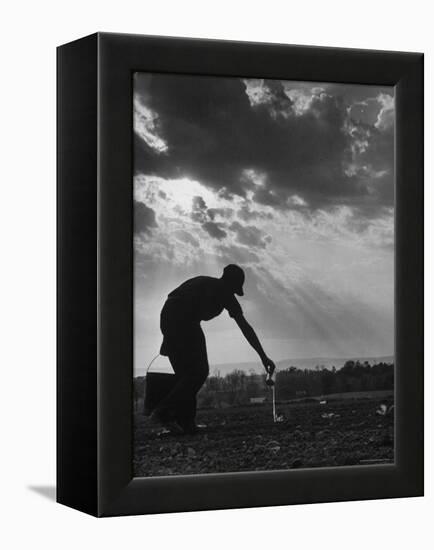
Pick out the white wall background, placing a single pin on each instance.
(29, 34)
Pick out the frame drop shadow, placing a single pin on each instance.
(47, 491)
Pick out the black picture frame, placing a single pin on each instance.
(95, 275)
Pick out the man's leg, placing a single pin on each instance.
(181, 400)
(190, 364)
(186, 410)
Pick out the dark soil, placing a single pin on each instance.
(341, 433)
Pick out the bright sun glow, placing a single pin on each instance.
(182, 192)
(179, 192)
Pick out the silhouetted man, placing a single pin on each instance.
(198, 299)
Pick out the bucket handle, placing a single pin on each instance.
(150, 364)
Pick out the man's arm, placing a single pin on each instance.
(253, 340)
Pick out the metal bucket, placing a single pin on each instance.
(158, 385)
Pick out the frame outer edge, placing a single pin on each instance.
(76, 275)
(119, 56)
(410, 267)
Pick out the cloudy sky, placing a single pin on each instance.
(294, 181)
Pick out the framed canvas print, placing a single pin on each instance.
(240, 274)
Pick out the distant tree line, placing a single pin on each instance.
(238, 387)
(354, 376)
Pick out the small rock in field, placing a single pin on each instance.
(297, 463)
(272, 443)
(382, 410)
(274, 449)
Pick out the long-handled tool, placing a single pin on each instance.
(270, 380)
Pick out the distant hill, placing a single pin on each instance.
(301, 363)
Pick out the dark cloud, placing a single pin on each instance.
(199, 210)
(365, 111)
(214, 134)
(205, 216)
(221, 212)
(214, 230)
(246, 214)
(144, 218)
(351, 93)
(277, 103)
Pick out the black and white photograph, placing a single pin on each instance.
(263, 274)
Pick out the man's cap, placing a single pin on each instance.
(235, 276)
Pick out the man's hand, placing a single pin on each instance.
(269, 366)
